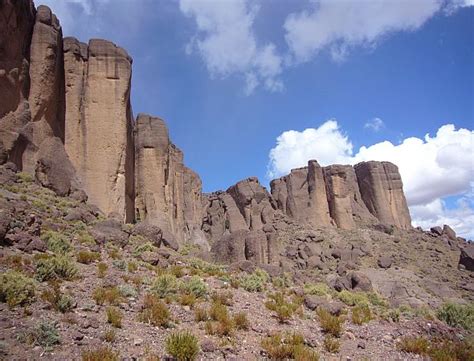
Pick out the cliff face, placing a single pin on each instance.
(66, 117)
(168, 194)
(99, 130)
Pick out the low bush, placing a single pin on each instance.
(132, 267)
(114, 316)
(109, 295)
(194, 286)
(330, 324)
(101, 270)
(56, 267)
(183, 346)
(254, 282)
(57, 242)
(109, 335)
(187, 299)
(154, 311)
(223, 297)
(418, 345)
(56, 299)
(16, 288)
(127, 290)
(317, 289)
(201, 314)
(456, 315)
(439, 349)
(361, 314)
(283, 308)
(144, 247)
(288, 346)
(165, 285)
(45, 334)
(87, 257)
(103, 353)
(331, 344)
(223, 324)
(241, 321)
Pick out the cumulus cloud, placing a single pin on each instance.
(341, 25)
(432, 167)
(374, 124)
(226, 42)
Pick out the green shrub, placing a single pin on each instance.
(57, 300)
(353, 298)
(56, 267)
(417, 345)
(438, 349)
(45, 334)
(145, 247)
(16, 288)
(103, 353)
(154, 312)
(183, 346)
(187, 299)
(194, 286)
(87, 257)
(361, 314)
(456, 315)
(165, 285)
(288, 346)
(318, 289)
(241, 321)
(127, 290)
(330, 324)
(109, 295)
(57, 242)
(25, 177)
(283, 308)
(102, 269)
(331, 344)
(254, 282)
(114, 316)
(132, 267)
(223, 297)
(210, 269)
(200, 314)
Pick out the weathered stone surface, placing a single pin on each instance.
(449, 232)
(438, 231)
(99, 123)
(109, 230)
(302, 195)
(381, 188)
(149, 231)
(467, 256)
(384, 262)
(168, 193)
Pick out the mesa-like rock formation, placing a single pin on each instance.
(168, 194)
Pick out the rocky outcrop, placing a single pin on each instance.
(99, 136)
(168, 194)
(302, 195)
(381, 188)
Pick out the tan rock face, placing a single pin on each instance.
(382, 191)
(99, 137)
(168, 194)
(302, 195)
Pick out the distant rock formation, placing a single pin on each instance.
(168, 194)
(344, 196)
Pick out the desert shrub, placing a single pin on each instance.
(194, 286)
(109, 295)
(418, 345)
(16, 288)
(361, 314)
(353, 298)
(45, 334)
(318, 289)
(187, 299)
(16, 262)
(132, 267)
(165, 285)
(241, 321)
(183, 346)
(330, 324)
(254, 282)
(144, 247)
(114, 252)
(121, 264)
(87, 257)
(154, 312)
(56, 267)
(127, 290)
(222, 297)
(201, 314)
(56, 299)
(85, 237)
(210, 269)
(283, 308)
(288, 346)
(114, 316)
(57, 242)
(456, 315)
(376, 299)
(331, 344)
(109, 335)
(25, 177)
(101, 269)
(103, 353)
(223, 324)
(176, 270)
(218, 311)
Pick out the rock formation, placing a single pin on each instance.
(382, 191)
(99, 129)
(168, 194)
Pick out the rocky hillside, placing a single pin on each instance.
(109, 249)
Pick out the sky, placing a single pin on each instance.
(256, 88)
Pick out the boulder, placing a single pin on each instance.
(466, 258)
(385, 262)
(449, 232)
(148, 231)
(109, 230)
(436, 230)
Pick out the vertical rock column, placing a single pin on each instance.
(382, 191)
(99, 128)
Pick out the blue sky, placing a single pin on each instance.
(254, 88)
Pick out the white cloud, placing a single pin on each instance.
(340, 25)
(374, 124)
(431, 168)
(226, 42)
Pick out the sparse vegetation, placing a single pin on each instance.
(317, 289)
(102, 269)
(255, 282)
(56, 299)
(438, 349)
(103, 353)
(109, 295)
(361, 314)
(330, 324)
(288, 346)
(154, 312)
(87, 257)
(201, 314)
(331, 344)
(241, 321)
(194, 286)
(45, 334)
(57, 242)
(456, 315)
(109, 335)
(165, 285)
(183, 346)
(56, 267)
(114, 316)
(16, 288)
(283, 308)
(226, 297)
